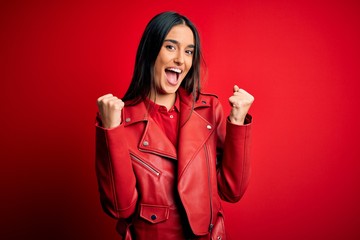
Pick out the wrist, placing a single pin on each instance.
(237, 121)
(111, 125)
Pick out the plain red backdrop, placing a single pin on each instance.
(299, 59)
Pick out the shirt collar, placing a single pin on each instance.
(154, 107)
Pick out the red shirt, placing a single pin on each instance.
(166, 120)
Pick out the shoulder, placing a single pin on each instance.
(208, 105)
(203, 99)
(209, 98)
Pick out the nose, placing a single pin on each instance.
(179, 58)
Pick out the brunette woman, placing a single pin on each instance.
(166, 155)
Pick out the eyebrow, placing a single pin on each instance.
(177, 43)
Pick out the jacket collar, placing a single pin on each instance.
(139, 112)
(194, 130)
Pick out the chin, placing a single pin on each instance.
(171, 88)
(170, 91)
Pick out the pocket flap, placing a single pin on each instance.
(154, 213)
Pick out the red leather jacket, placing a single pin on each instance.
(156, 190)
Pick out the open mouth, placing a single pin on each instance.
(172, 75)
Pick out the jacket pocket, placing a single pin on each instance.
(145, 165)
(154, 213)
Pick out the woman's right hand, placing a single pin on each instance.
(110, 110)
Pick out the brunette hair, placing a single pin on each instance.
(150, 44)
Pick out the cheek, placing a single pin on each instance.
(157, 76)
(157, 69)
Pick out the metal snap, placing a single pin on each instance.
(127, 119)
(146, 143)
(153, 217)
(208, 127)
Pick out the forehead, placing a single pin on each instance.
(182, 34)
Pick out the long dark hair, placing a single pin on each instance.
(151, 42)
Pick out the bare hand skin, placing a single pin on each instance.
(241, 102)
(110, 110)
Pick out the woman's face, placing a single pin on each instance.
(174, 60)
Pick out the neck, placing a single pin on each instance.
(167, 100)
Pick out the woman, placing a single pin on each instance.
(165, 153)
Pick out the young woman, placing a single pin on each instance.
(165, 153)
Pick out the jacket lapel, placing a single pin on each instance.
(153, 139)
(194, 130)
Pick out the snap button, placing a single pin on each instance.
(146, 143)
(218, 238)
(208, 127)
(153, 217)
(127, 119)
(203, 102)
(171, 116)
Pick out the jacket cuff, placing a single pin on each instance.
(247, 121)
(98, 124)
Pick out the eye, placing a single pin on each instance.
(170, 47)
(189, 52)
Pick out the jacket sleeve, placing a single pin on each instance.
(115, 175)
(233, 158)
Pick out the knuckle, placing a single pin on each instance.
(115, 104)
(100, 99)
(111, 103)
(104, 97)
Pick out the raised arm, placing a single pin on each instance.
(116, 179)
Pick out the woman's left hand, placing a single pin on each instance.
(240, 102)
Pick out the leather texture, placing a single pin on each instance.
(143, 178)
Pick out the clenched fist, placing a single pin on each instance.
(240, 102)
(110, 110)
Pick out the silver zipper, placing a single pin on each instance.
(211, 225)
(144, 164)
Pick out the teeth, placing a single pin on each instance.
(174, 70)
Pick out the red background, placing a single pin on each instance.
(299, 59)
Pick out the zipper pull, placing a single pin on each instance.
(211, 226)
